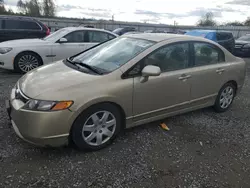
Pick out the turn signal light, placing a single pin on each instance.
(62, 105)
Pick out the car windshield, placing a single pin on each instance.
(55, 34)
(245, 38)
(113, 54)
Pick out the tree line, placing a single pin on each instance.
(208, 20)
(36, 8)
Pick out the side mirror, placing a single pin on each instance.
(62, 40)
(149, 70)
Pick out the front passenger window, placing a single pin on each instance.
(75, 37)
(169, 58)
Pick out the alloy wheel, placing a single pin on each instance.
(28, 62)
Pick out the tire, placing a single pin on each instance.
(225, 97)
(86, 131)
(26, 61)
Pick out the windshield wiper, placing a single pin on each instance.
(93, 69)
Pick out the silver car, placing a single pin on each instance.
(134, 79)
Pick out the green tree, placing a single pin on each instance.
(22, 7)
(235, 23)
(207, 20)
(2, 7)
(34, 8)
(247, 22)
(49, 8)
(30, 8)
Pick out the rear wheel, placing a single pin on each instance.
(96, 127)
(27, 61)
(225, 97)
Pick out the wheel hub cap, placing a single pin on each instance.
(226, 97)
(99, 128)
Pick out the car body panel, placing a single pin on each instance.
(142, 102)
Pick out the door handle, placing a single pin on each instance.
(219, 71)
(184, 77)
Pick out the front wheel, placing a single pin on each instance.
(225, 97)
(96, 127)
(27, 61)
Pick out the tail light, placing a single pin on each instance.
(48, 31)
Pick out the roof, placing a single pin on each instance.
(207, 31)
(87, 28)
(157, 37)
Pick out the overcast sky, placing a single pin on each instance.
(184, 12)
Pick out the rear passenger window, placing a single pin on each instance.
(29, 25)
(97, 36)
(207, 54)
(1, 24)
(16, 24)
(12, 24)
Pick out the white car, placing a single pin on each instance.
(26, 54)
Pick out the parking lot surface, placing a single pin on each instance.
(202, 149)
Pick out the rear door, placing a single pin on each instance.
(209, 72)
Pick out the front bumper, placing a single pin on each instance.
(39, 128)
(6, 61)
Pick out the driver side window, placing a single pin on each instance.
(169, 58)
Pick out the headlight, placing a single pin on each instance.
(39, 105)
(5, 50)
(246, 46)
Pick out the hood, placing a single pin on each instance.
(242, 42)
(52, 78)
(22, 42)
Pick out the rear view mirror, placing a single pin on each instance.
(62, 40)
(149, 70)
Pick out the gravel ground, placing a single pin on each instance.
(202, 149)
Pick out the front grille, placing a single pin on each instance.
(20, 96)
(238, 45)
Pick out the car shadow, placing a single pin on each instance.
(5, 71)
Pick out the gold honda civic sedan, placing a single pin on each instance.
(131, 80)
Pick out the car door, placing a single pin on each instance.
(209, 73)
(75, 44)
(167, 93)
